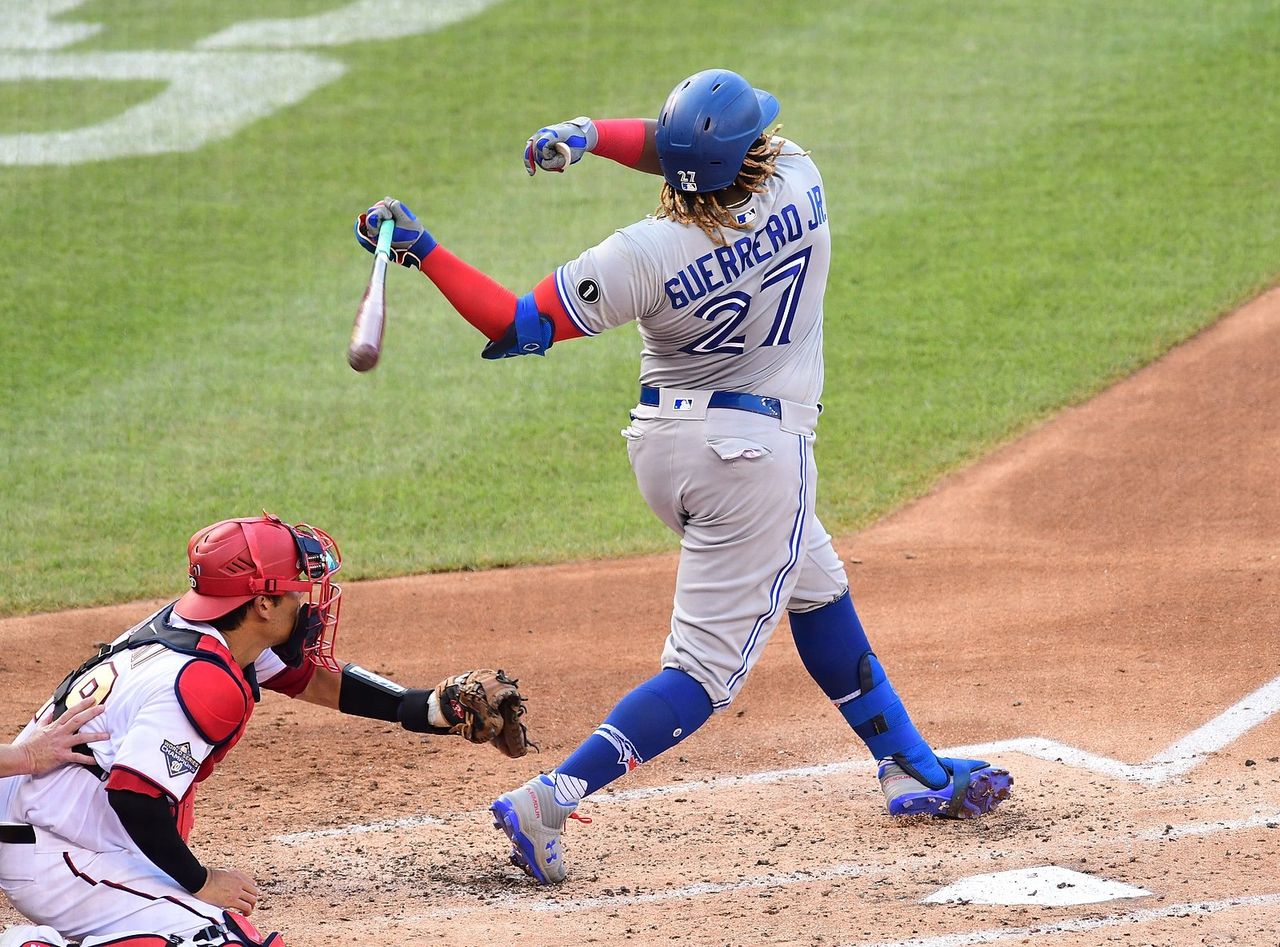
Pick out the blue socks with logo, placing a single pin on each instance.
(668, 707)
(651, 719)
(836, 653)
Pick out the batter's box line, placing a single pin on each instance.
(387, 825)
(1080, 925)
(774, 881)
(561, 905)
(1178, 759)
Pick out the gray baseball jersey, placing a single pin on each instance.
(738, 485)
(742, 317)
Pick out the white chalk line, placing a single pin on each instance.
(1080, 925)
(1178, 759)
(778, 880)
(1175, 760)
(208, 97)
(241, 75)
(28, 24)
(387, 825)
(1257, 821)
(357, 22)
(570, 905)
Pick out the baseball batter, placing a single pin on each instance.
(96, 850)
(726, 282)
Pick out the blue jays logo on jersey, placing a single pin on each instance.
(179, 758)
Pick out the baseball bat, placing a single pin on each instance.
(371, 315)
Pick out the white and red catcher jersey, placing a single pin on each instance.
(152, 738)
(742, 317)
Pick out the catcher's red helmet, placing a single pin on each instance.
(235, 560)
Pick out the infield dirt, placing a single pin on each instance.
(1110, 581)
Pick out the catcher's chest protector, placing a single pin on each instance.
(213, 665)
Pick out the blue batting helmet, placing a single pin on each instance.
(707, 126)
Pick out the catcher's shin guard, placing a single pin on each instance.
(31, 935)
(877, 716)
(244, 934)
(234, 931)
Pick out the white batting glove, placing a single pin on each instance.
(556, 147)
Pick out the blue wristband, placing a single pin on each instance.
(422, 246)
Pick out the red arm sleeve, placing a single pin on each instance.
(482, 301)
(291, 681)
(629, 141)
(547, 297)
(485, 303)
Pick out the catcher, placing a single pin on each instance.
(96, 850)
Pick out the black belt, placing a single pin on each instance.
(16, 833)
(737, 400)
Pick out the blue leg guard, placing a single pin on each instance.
(837, 654)
(877, 715)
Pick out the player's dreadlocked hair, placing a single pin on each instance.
(705, 211)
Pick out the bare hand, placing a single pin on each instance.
(229, 889)
(49, 745)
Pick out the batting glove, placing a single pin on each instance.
(410, 241)
(557, 147)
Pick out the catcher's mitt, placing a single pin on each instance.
(484, 706)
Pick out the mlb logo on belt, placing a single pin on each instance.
(682, 404)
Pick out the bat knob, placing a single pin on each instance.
(362, 357)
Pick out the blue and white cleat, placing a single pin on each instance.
(975, 789)
(533, 820)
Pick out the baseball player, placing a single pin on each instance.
(726, 282)
(96, 850)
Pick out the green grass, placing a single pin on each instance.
(64, 104)
(162, 24)
(1028, 202)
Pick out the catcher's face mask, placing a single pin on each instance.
(316, 627)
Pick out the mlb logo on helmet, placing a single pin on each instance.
(688, 180)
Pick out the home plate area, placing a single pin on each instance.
(1049, 885)
(807, 856)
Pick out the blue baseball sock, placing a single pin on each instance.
(836, 653)
(651, 719)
